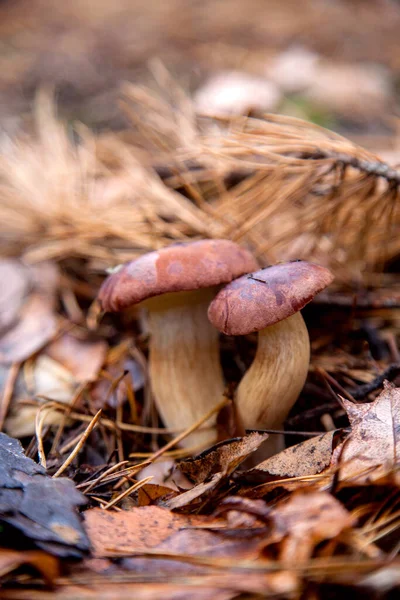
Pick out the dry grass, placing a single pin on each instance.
(284, 187)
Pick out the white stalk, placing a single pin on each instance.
(275, 379)
(185, 370)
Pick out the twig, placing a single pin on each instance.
(389, 373)
(79, 445)
(131, 489)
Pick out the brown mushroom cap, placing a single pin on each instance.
(180, 267)
(266, 297)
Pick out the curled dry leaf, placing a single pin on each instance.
(221, 458)
(373, 447)
(306, 520)
(51, 380)
(307, 458)
(200, 491)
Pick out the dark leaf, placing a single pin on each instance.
(42, 508)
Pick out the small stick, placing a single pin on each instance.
(131, 489)
(79, 445)
(102, 476)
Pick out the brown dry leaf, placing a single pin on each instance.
(45, 564)
(139, 529)
(150, 493)
(36, 326)
(373, 447)
(307, 458)
(83, 358)
(202, 490)
(306, 520)
(222, 458)
(14, 285)
(49, 379)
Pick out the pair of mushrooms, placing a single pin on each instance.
(179, 287)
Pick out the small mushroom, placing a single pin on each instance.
(269, 301)
(176, 285)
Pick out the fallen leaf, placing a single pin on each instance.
(373, 447)
(307, 458)
(42, 508)
(14, 285)
(50, 380)
(37, 324)
(82, 358)
(141, 528)
(307, 519)
(202, 490)
(150, 493)
(223, 458)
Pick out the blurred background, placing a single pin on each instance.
(334, 62)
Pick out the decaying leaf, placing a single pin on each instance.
(373, 447)
(307, 519)
(42, 508)
(150, 493)
(199, 491)
(307, 458)
(222, 458)
(212, 467)
(139, 529)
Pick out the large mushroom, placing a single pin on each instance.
(176, 285)
(269, 302)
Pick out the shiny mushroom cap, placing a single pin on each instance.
(180, 267)
(267, 296)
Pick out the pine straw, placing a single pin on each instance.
(284, 187)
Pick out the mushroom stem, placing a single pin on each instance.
(275, 379)
(185, 368)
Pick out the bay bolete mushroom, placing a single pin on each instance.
(175, 285)
(269, 302)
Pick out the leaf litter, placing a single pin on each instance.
(160, 522)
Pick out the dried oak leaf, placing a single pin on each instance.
(221, 458)
(372, 451)
(42, 508)
(307, 458)
(307, 519)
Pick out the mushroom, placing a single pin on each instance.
(269, 301)
(175, 285)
